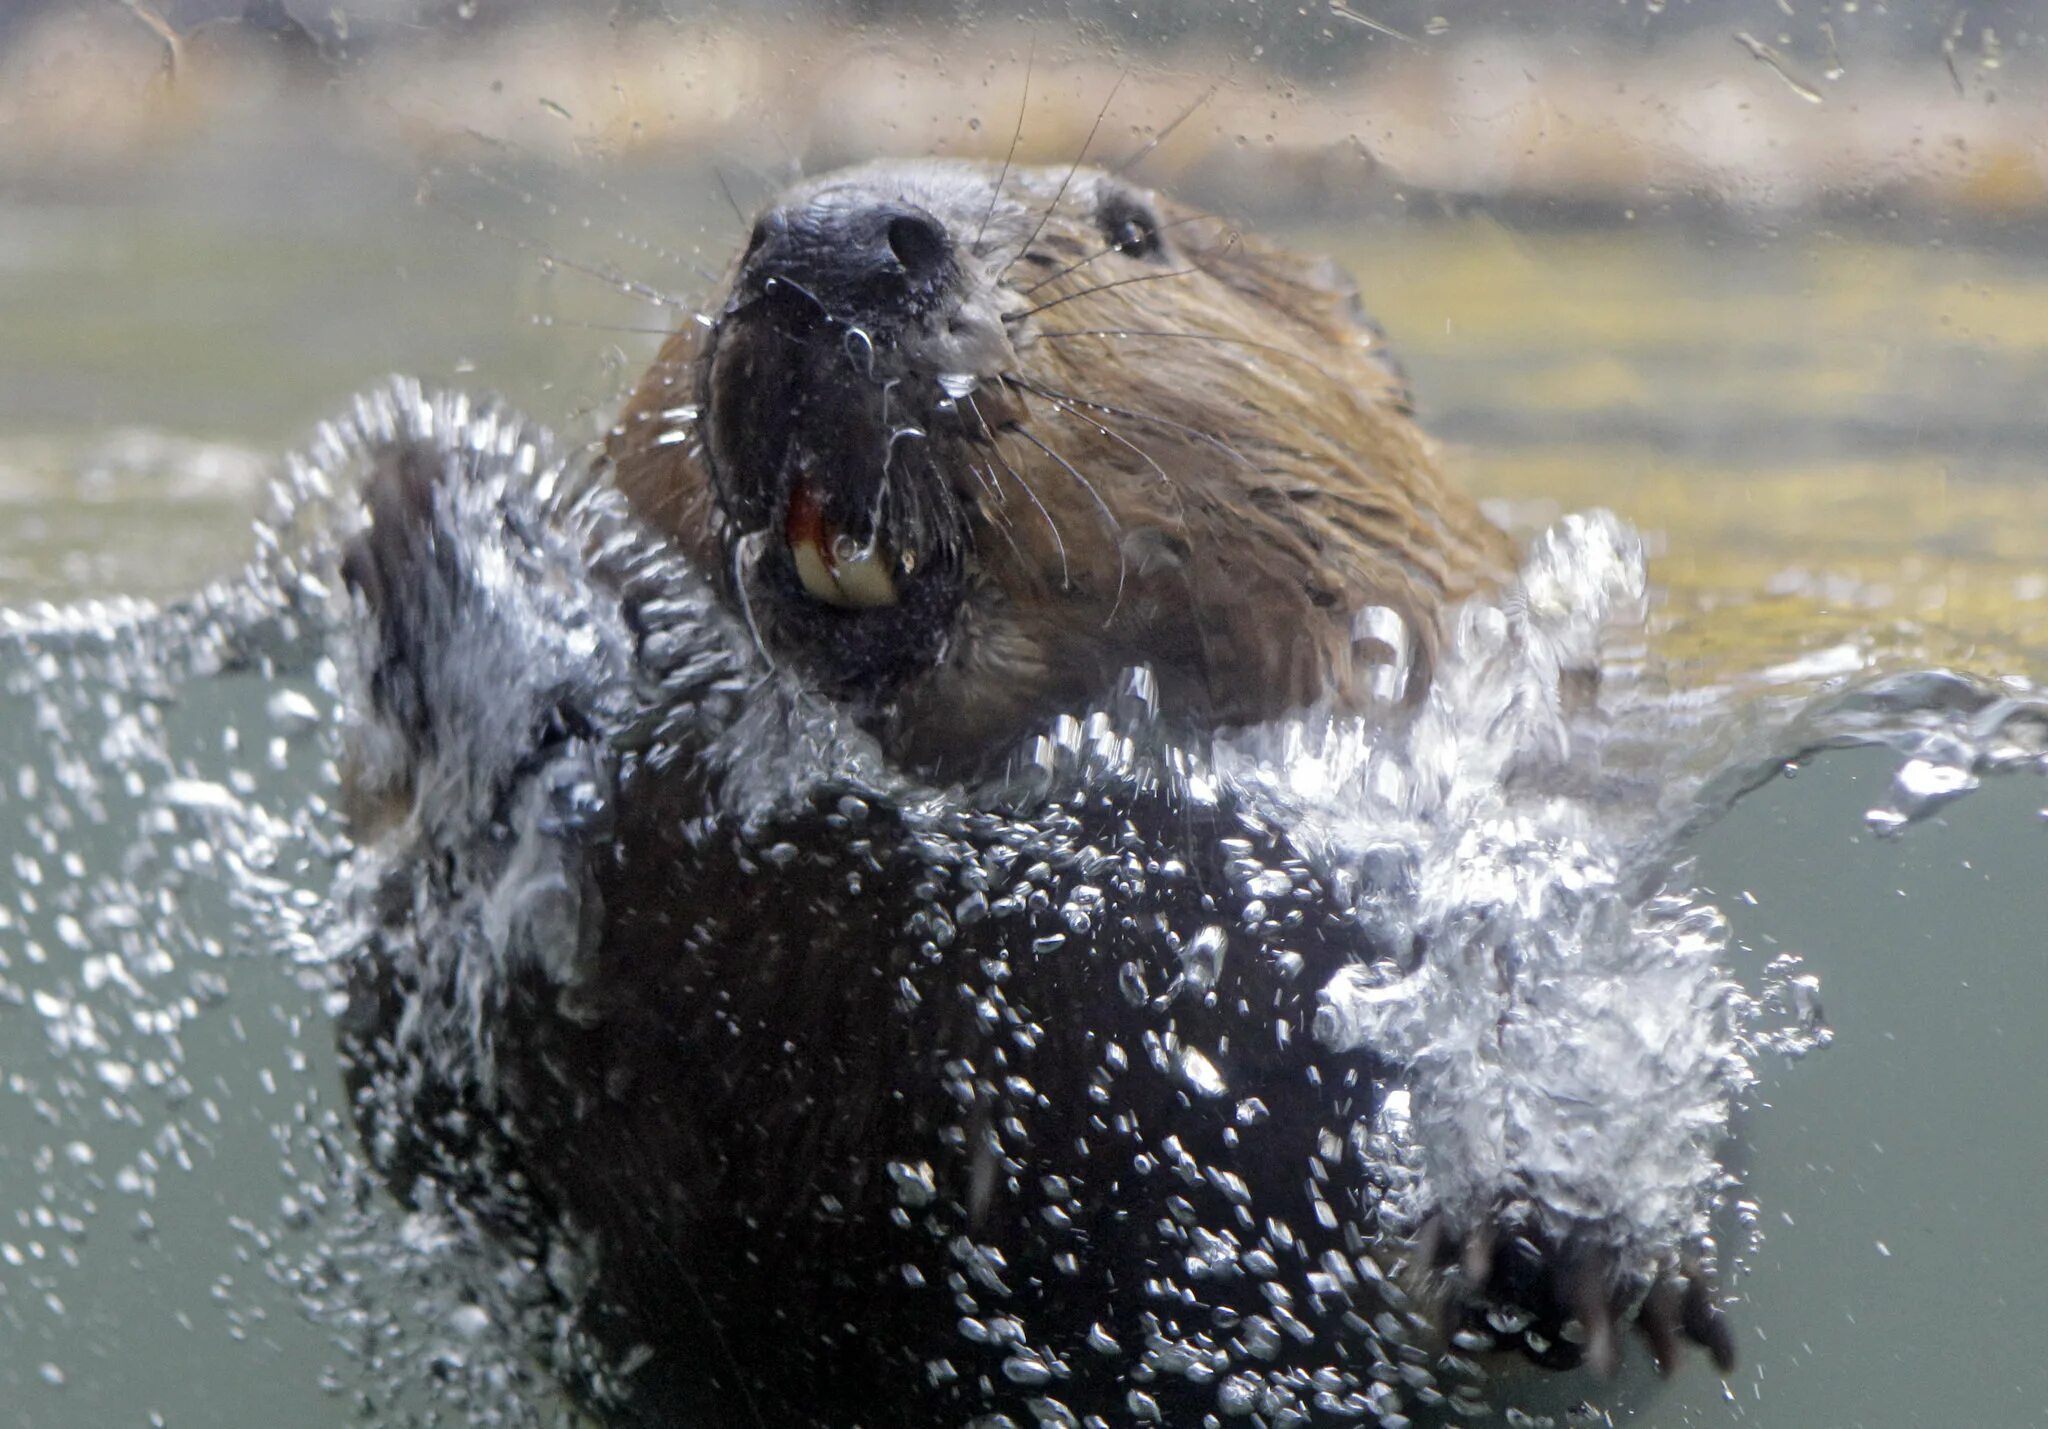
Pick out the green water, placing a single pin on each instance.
(1828, 435)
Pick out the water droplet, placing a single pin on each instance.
(1027, 1369)
(1202, 957)
(1201, 1073)
(915, 1186)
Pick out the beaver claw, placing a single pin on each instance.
(1563, 1298)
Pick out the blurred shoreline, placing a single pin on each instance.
(1571, 126)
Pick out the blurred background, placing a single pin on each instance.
(1768, 277)
(1770, 274)
(1581, 109)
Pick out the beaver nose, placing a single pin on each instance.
(838, 252)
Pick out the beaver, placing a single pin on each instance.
(794, 890)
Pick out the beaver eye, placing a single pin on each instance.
(1130, 229)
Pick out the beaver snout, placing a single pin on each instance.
(851, 258)
(828, 415)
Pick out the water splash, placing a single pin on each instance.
(1557, 1001)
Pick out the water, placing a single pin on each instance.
(184, 1184)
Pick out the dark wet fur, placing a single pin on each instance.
(776, 1014)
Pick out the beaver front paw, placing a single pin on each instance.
(1562, 1292)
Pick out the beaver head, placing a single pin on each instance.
(966, 443)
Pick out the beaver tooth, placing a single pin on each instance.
(831, 566)
(815, 572)
(856, 577)
(862, 573)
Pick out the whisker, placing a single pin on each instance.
(581, 325)
(1109, 517)
(983, 480)
(1052, 394)
(1068, 178)
(590, 184)
(998, 518)
(602, 272)
(1157, 139)
(717, 172)
(884, 488)
(1016, 137)
(746, 552)
(801, 291)
(824, 313)
(1067, 408)
(669, 366)
(1059, 542)
(1098, 288)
